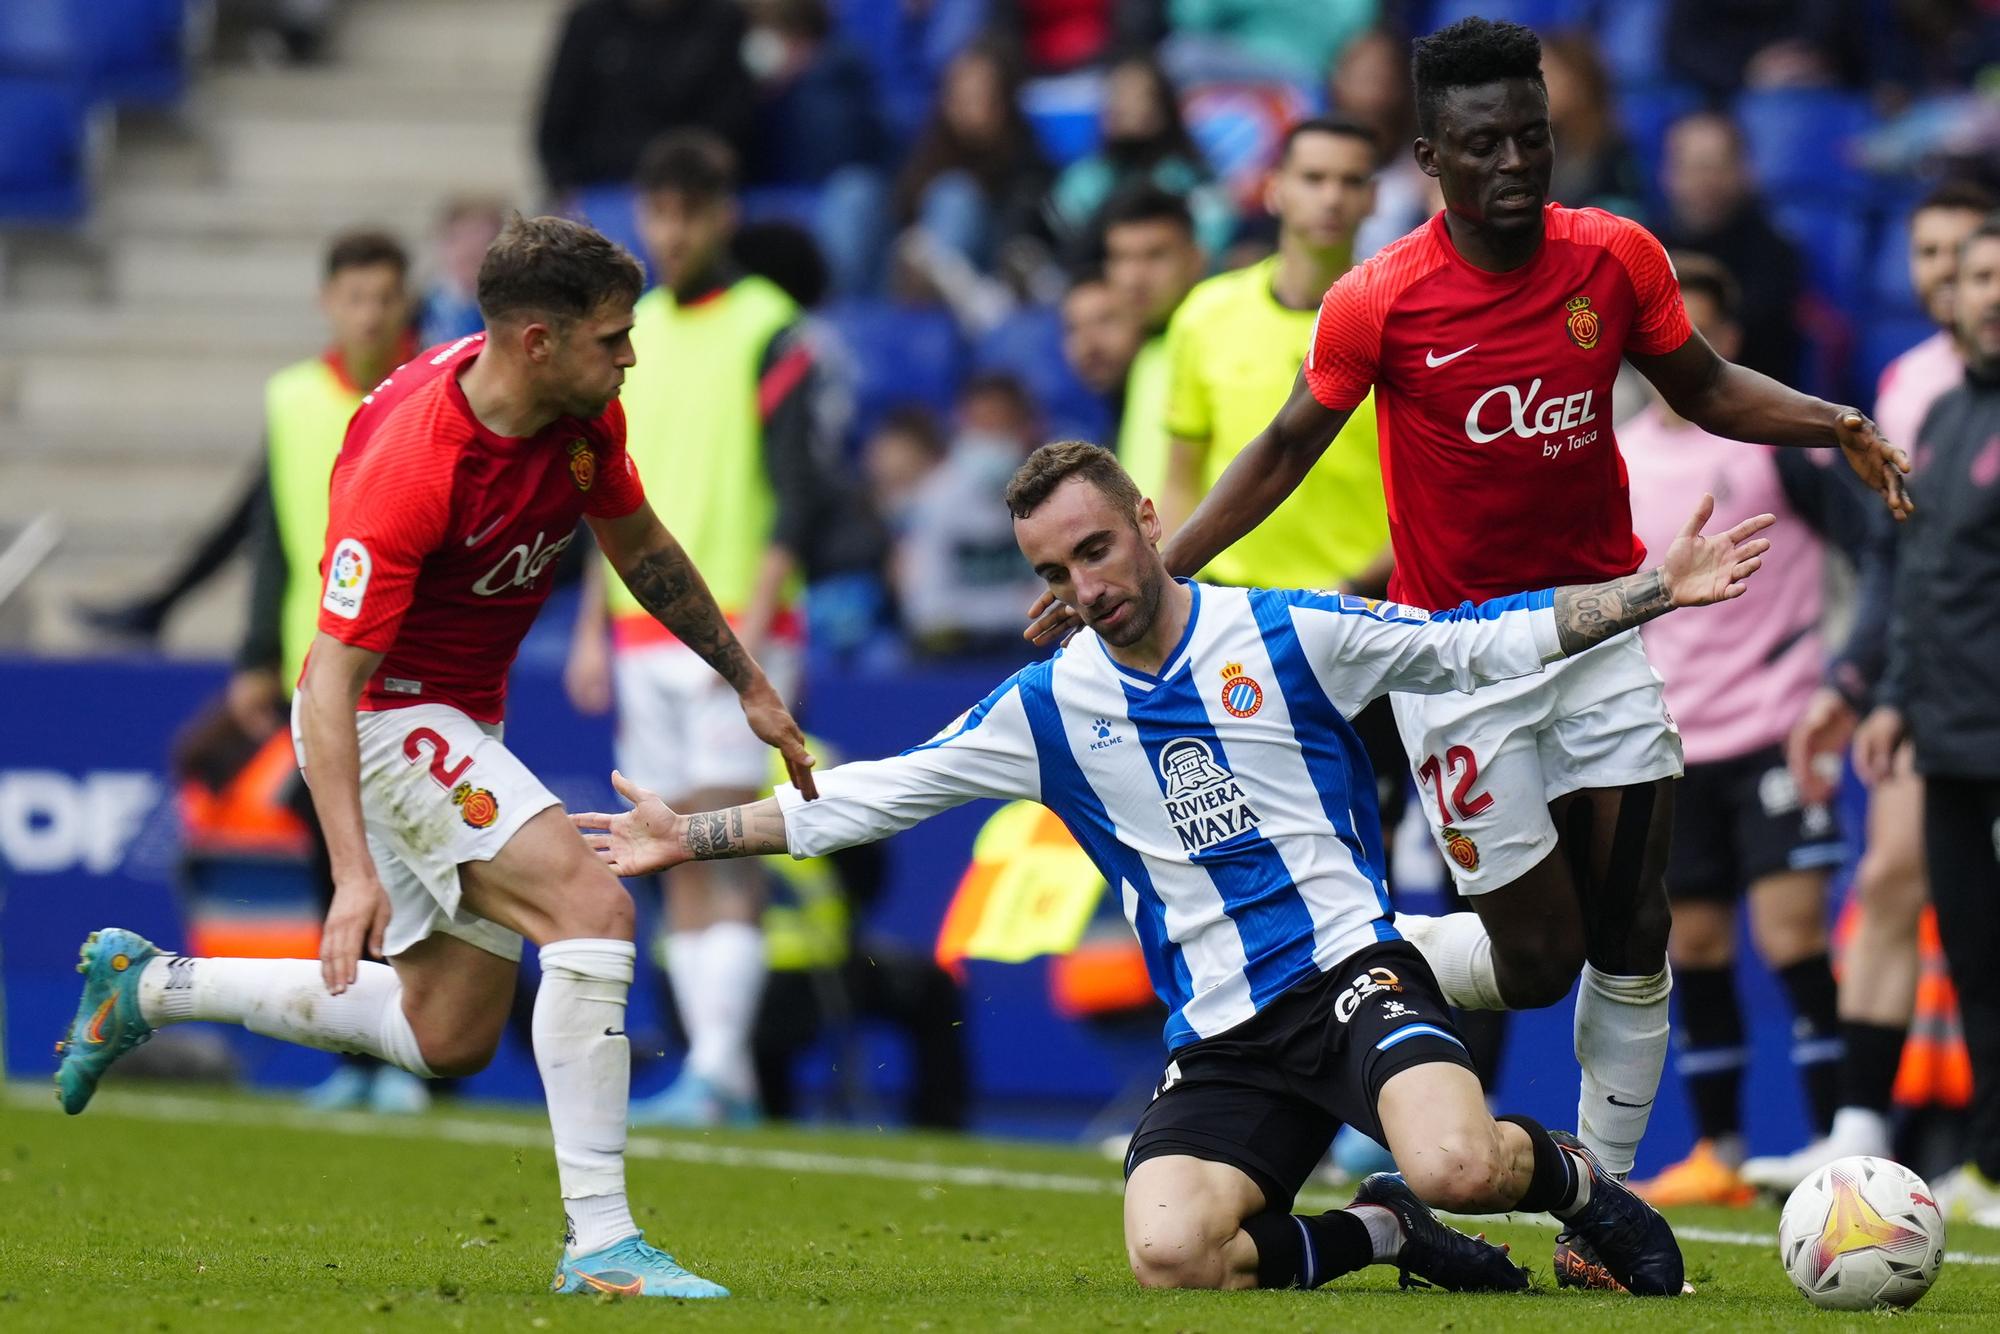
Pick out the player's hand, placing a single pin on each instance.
(1050, 621)
(1875, 744)
(1700, 570)
(1875, 461)
(641, 841)
(255, 702)
(1812, 751)
(355, 922)
(775, 727)
(587, 674)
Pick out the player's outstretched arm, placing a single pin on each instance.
(652, 836)
(1734, 401)
(1698, 570)
(667, 584)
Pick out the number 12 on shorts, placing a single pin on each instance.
(1463, 767)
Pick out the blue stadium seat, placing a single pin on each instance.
(781, 203)
(1833, 236)
(1063, 113)
(43, 130)
(1544, 16)
(39, 37)
(125, 51)
(1646, 111)
(1889, 271)
(899, 354)
(1028, 345)
(1798, 138)
(1631, 35)
(612, 210)
(1883, 339)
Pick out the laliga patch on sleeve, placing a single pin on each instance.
(1382, 610)
(347, 578)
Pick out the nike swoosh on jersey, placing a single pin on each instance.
(485, 532)
(1433, 360)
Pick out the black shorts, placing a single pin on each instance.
(1267, 1096)
(1737, 821)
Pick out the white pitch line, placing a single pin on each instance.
(469, 1130)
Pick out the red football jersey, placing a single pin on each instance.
(1493, 400)
(442, 534)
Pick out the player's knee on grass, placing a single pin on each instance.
(1460, 1171)
(1182, 1247)
(459, 1051)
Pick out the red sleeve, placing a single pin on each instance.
(617, 491)
(388, 513)
(1346, 351)
(1660, 323)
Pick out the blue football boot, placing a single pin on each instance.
(631, 1268)
(107, 1023)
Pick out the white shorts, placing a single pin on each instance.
(680, 726)
(437, 789)
(1487, 764)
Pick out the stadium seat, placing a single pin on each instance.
(124, 51)
(1889, 270)
(1063, 112)
(898, 354)
(44, 132)
(781, 203)
(1028, 345)
(1544, 16)
(1631, 36)
(1834, 238)
(1798, 138)
(612, 210)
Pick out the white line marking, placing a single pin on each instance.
(468, 1130)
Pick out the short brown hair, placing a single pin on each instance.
(364, 249)
(697, 164)
(555, 268)
(1055, 463)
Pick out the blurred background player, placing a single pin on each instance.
(449, 307)
(1736, 681)
(306, 410)
(1100, 337)
(447, 851)
(1880, 966)
(720, 410)
(1152, 261)
(1942, 692)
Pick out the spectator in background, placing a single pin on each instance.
(1736, 683)
(626, 71)
(1713, 209)
(960, 578)
(1878, 985)
(1257, 40)
(1370, 86)
(1151, 261)
(721, 409)
(976, 177)
(819, 124)
(449, 307)
(1144, 141)
(1942, 692)
(1595, 168)
(1725, 45)
(1100, 338)
(905, 447)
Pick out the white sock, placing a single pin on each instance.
(586, 1065)
(1460, 952)
(1384, 1232)
(285, 998)
(733, 969)
(684, 975)
(1621, 1043)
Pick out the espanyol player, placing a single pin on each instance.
(1196, 742)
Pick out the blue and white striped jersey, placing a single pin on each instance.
(1227, 800)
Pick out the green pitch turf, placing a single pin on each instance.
(162, 1211)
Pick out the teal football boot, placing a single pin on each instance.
(631, 1268)
(107, 1023)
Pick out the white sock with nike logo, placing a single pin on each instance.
(586, 1065)
(1621, 1043)
(286, 999)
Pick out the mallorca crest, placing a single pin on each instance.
(1241, 695)
(477, 806)
(1583, 324)
(1463, 852)
(582, 464)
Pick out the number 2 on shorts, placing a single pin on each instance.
(440, 749)
(1461, 762)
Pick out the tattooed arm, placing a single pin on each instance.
(1696, 571)
(667, 584)
(652, 836)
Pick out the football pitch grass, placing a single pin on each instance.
(162, 1210)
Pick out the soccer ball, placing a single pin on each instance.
(1862, 1233)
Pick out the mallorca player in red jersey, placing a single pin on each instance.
(1491, 336)
(460, 482)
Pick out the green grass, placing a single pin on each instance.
(161, 1211)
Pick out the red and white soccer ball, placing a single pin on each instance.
(1862, 1233)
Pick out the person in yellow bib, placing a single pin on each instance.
(365, 298)
(1151, 261)
(721, 414)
